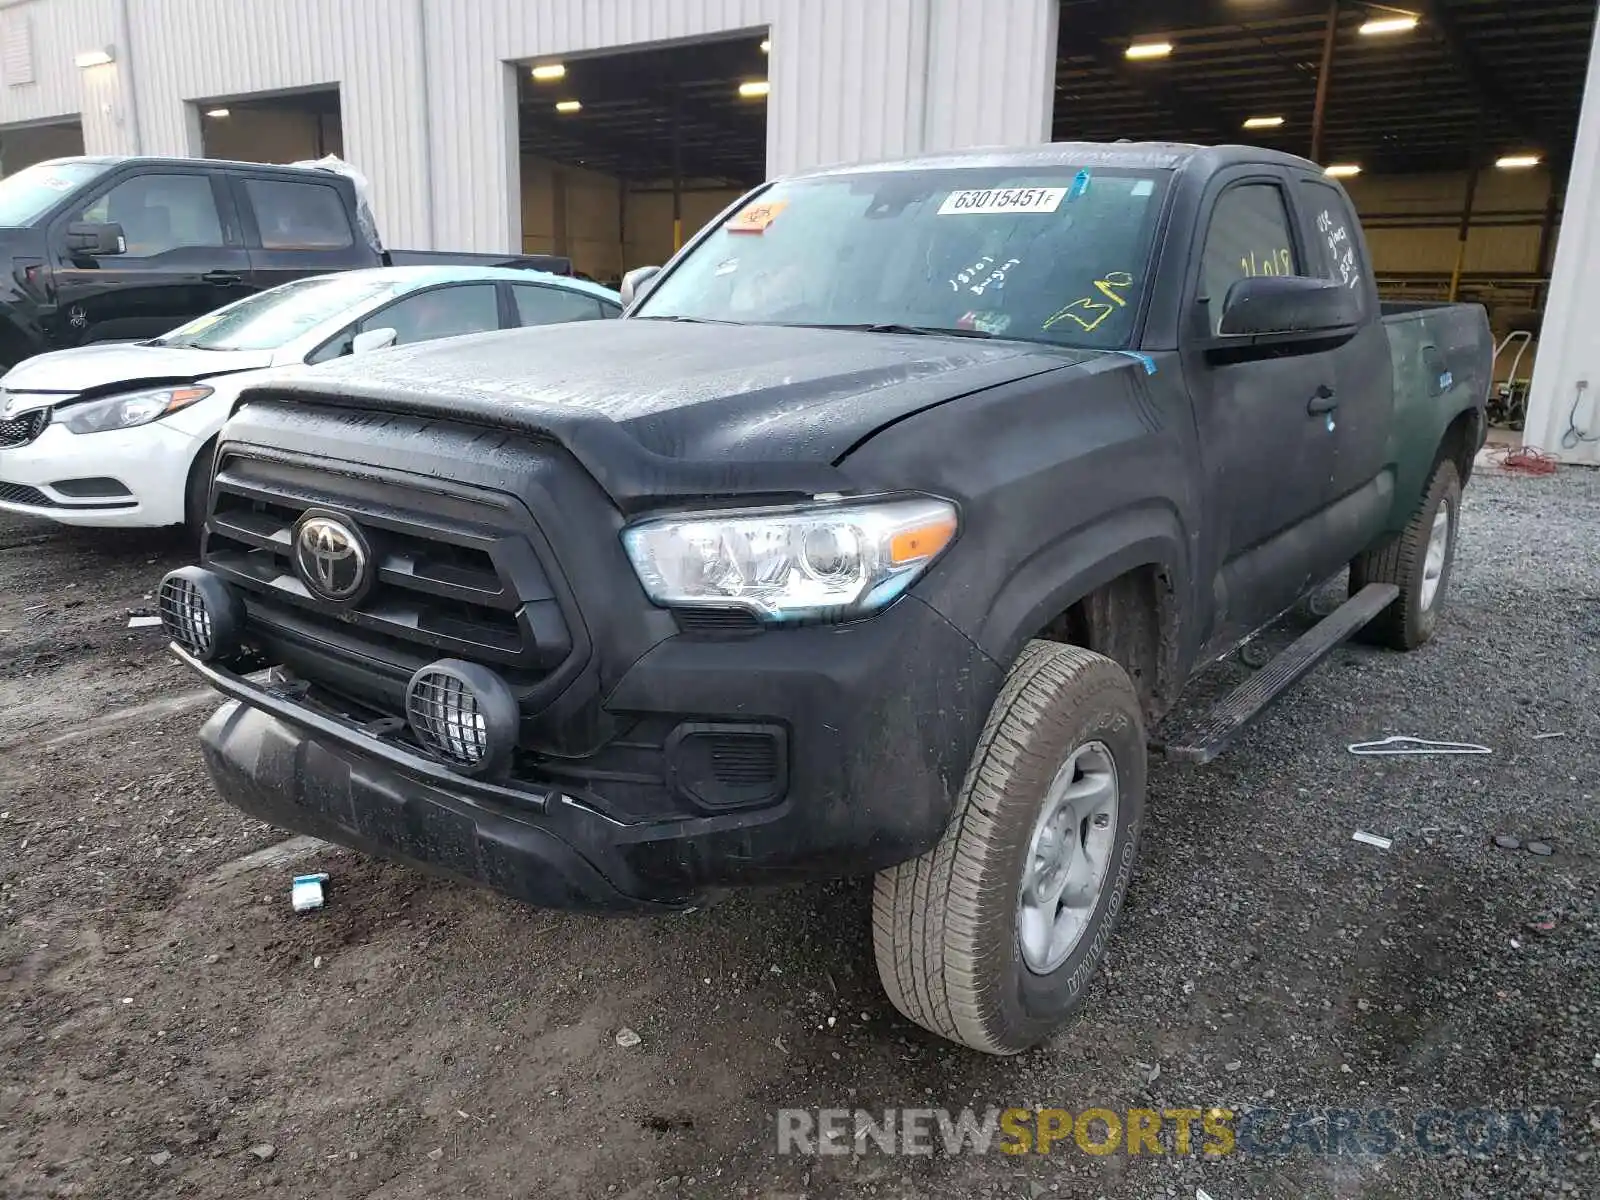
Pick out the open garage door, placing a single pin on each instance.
(626, 155)
(278, 128)
(23, 145)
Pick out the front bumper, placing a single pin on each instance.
(880, 719)
(149, 463)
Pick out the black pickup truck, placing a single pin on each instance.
(875, 538)
(116, 249)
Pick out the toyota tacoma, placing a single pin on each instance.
(875, 538)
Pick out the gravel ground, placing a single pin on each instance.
(169, 1027)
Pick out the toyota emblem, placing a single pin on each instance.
(331, 558)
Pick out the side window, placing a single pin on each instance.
(439, 313)
(159, 213)
(1333, 234)
(552, 305)
(299, 216)
(1249, 236)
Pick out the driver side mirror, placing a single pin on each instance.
(369, 340)
(88, 237)
(636, 283)
(1289, 304)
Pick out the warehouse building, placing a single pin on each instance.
(609, 130)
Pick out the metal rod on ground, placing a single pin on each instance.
(1319, 114)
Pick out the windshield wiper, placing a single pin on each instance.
(896, 327)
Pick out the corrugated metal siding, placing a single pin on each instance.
(59, 29)
(851, 80)
(188, 50)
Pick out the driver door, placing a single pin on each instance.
(184, 258)
(1266, 435)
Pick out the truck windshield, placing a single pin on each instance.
(25, 196)
(272, 319)
(1056, 254)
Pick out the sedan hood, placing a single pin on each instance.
(694, 393)
(44, 379)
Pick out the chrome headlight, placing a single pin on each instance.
(828, 560)
(128, 409)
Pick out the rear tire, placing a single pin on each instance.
(1418, 562)
(968, 942)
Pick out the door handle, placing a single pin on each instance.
(225, 278)
(1323, 400)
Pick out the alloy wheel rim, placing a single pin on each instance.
(1437, 555)
(1069, 858)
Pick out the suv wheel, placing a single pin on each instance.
(1418, 562)
(991, 938)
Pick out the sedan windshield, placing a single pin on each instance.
(1055, 254)
(272, 319)
(33, 190)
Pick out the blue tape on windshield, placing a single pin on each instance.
(1144, 359)
(1080, 184)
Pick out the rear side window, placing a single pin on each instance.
(1333, 234)
(1249, 236)
(439, 313)
(299, 216)
(551, 306)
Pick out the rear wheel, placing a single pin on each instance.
(991, 938)
(1418, 562)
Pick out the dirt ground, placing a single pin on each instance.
(169, 1027)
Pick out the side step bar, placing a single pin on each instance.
(1211, 736)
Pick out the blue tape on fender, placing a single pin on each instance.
(1144, 360)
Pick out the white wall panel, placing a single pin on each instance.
(1569, 351)
(427, 86)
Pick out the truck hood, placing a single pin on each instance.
(680, 393)
(46, 379)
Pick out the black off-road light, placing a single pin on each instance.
(201, 613)
(465, 714)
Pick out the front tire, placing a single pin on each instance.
(197, 493)
(1418, 562)
(991, 938)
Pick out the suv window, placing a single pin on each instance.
(299, 216)
(1249, 236)
(552, 305)
(1335, 233)
(159, 213)
(439, 313)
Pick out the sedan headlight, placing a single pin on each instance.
(128, 409)
(831, 560)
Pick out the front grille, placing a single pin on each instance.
(21, 493)
(456, 576)
(19, 431)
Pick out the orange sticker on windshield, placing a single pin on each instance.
(757, 217)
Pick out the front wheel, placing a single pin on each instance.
(991, 938)
(1418, 562)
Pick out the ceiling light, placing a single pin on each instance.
(766, 45)
(568, 106)
(94, 58)
(1344, 170)
(754, 87)
(545, 72)
(219, 113)
(1403, 23)
(1518, 162)
(1262, 122)
(1149, 50)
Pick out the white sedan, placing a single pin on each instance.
(120, 435)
